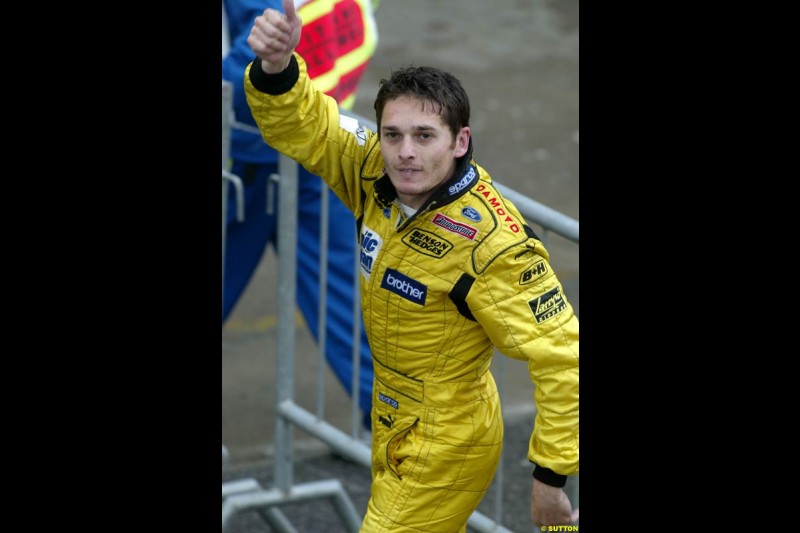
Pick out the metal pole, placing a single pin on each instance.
(541, 214)
(322, 321)
(356, 381)
(226, 142)
(287, 246)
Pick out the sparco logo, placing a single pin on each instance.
(463, 183)
(405, 287)
(456, 227)
(385, 399)
(427, 243)
(495, 204)
(548, 305)
(535, 272)
(370, 246)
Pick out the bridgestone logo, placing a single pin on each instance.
(405, 287)
(456, 227)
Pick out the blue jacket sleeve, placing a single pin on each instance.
(245, 145)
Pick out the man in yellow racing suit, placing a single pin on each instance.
(448, 273)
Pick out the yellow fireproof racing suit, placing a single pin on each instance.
(439, 291)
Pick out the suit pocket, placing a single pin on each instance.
(402, 448)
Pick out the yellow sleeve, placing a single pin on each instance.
(521, 305)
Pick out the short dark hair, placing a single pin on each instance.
(427, 84)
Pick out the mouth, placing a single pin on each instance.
(406, 171)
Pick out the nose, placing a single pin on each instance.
(407, 148)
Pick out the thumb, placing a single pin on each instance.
(575, 515)
(290, 11)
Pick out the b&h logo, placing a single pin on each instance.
(535, 272)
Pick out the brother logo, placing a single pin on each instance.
(403, 286)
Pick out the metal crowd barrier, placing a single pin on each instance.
(246, 494)
(227, 117)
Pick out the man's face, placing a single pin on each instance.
(418, 148)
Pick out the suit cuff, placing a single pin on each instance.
(274, 84)
(548, 477)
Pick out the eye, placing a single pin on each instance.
(425, 136)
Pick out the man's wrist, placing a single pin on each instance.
(272, 69)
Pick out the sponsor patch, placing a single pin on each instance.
(453, 226)
(390, 401)
(371, 244)
(548, 305)
(350, 125)
(403, 286)
(465, 181)
(472, 214)
(427, 243)
(387, 213)
(533, 273)
(494, 203)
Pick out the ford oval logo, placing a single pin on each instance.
(471, 213)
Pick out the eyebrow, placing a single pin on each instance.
(416, 128)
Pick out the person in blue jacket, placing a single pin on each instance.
(339, 48)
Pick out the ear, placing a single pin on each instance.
(462, 141)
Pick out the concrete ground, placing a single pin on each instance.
(518, 61)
